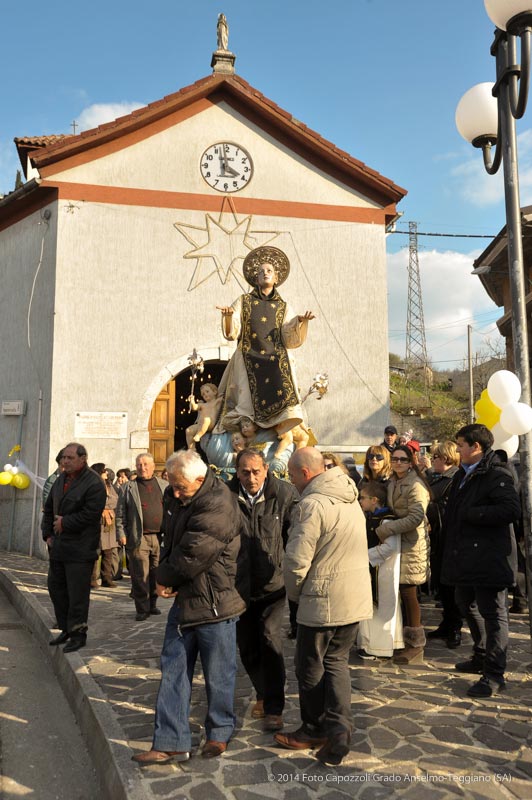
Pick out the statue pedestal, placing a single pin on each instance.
(223, 62)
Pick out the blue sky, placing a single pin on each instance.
(379, 78)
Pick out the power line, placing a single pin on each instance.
(451, 235)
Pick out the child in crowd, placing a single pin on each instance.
(208, 411)
(383, 633)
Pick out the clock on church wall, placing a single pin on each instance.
(226, 167)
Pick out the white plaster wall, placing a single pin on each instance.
(123, 313)
(27, 257)
(169, 161)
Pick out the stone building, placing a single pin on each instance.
(123, 240)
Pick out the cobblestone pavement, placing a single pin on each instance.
(415, 729)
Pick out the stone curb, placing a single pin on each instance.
(103, 735)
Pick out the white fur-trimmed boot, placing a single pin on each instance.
(414, 643)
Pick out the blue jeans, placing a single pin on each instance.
(216, 644)
(486, 611)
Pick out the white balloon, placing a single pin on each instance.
(516, 418)
(14, 470)
(504, 387)
(7, 467)
(502, 441)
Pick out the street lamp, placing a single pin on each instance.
(486, 116)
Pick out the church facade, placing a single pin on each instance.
(124, 239)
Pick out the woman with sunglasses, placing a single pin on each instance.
(408, 497)
(377, 465)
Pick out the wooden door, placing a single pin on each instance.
(162, 425)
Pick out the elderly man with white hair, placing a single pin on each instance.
(198, 568)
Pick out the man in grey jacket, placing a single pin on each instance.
(326, 571)
(139, 516)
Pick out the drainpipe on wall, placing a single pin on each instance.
(36, 470)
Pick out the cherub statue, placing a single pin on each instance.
(248, 429)
(207, 413)
(299, 436)
(238, 443)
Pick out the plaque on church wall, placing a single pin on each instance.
(100, 425)
(13, 408)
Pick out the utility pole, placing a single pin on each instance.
(470, 370)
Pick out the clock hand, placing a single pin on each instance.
(222, 165)
(231, 171)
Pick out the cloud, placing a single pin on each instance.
(473, 184)
(98, 113)
(452, 299)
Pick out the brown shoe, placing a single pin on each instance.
(272, 722)
(333, 753)
(212, 749)
(257, 712)
(299, 740)
(159, 757)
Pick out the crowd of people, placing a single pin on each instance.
(353, 558)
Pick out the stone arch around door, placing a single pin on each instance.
(161, 393)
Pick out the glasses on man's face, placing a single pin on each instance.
(399, 460)
(375, 457)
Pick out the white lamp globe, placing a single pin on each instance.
(476, 113)
(500, 11)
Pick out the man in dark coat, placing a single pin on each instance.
(390, 441)
(71, 529)
(480, 554)
(266, 504)
(200, 549)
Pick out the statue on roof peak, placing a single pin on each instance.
(222, 32)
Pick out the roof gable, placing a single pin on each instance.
(248, 101)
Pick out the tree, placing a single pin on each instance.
(18, 180)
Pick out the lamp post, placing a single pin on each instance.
(486, 116)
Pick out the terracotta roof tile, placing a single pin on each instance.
(41, 141)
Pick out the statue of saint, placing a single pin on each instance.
(259, 381)
(222, 32)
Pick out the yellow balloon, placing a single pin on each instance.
(21, 481)
(486, 412)
(5, 478)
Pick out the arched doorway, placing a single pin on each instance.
(170, 415)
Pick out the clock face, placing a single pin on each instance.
(226, 167)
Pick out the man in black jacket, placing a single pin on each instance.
(390, 440)
(71, 529)
(266, 504)
(198, 567)
(480, 553)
